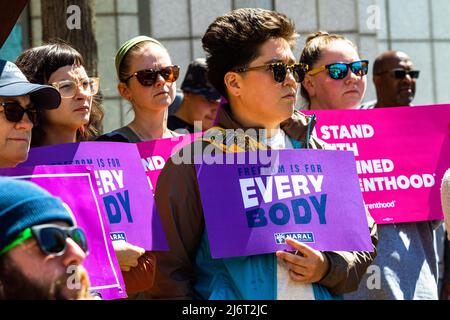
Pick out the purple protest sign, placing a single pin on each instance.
(75, 186)
(122, 184)
(312, 196)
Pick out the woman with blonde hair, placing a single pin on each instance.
(336, 78)
(147, 80)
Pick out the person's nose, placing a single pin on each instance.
(290, 79)
(352, 77)
(25, 123)
(74, 255)
(407, 79)
(160, 81)
(82, 93)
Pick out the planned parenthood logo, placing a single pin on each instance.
(280, 238)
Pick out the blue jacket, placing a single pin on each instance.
(241, 278)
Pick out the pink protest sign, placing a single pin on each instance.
(401, 156)
(155, 153)
(75, 186)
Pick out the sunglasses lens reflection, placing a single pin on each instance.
(14, 113)
(360, 68)
(279, 72)
(414, 74)
(53, 241)
(148, 77)
(80, 238)
(338, 71)
(401, 74)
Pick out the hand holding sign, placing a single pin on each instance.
(127, 254)
(307, 265)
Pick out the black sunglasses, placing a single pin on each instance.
(51, 238)
(400, 73)
(148, 77)
(279, 70)
(14, 112)
(340, 70)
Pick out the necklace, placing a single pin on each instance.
(142, 138)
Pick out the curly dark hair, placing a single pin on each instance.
(233, 40)
(38, 64)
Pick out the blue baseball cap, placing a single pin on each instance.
(13, 83)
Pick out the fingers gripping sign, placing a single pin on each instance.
(306, 264)
(127, 254)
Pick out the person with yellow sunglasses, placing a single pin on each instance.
(336, 78)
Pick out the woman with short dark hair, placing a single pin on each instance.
(250, 62)
(80, 113)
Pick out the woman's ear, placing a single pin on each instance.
(309, 85)
(124, 91)
(233, 83)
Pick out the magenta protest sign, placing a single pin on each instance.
(122, 185)
(75, 186)
(312, 196)
(401, 156)
(154, 153)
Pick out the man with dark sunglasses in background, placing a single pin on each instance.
(412, 273)
(41, 250)
(394, 78)
(20, 103)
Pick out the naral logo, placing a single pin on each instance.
(117, 236)
(280, 238)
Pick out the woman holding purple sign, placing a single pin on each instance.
(250, 62)
(80, 112)
(147, 80)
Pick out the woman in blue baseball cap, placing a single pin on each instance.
(20, 103)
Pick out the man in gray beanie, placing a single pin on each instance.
(20, 104)
(41, 250)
